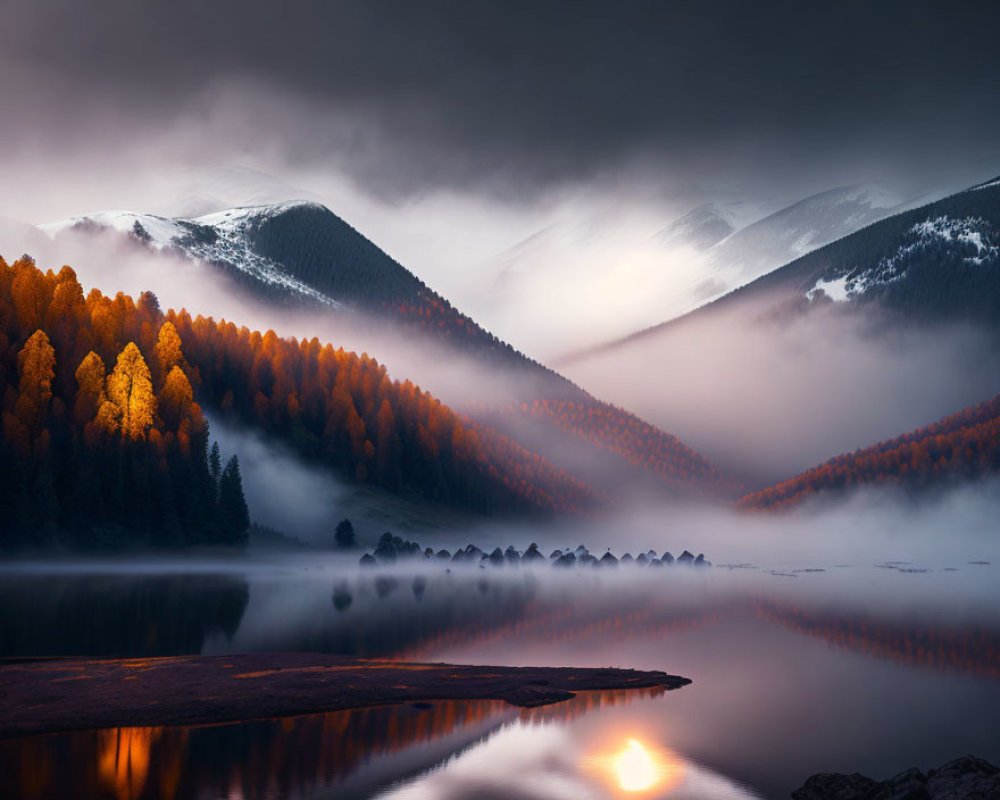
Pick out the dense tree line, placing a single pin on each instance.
(963, 445)
(342, 410)
(102, 443)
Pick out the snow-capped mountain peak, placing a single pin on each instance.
(221, 238)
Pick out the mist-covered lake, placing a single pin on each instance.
(826, 666)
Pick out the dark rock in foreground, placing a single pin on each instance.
(76, 694)
(966, 778)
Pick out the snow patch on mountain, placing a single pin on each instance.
(159, 232)
(835, 289)
(973, 231)
(218, 238)
(977, 240)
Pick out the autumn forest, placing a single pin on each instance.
(105, 442)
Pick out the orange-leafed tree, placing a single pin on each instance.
(36, 364)
(167, 351)
(91, 377)
(176, 399)
(130, 389)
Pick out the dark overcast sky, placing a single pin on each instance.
(513, 97)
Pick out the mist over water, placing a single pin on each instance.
(838, 637)
(800, 665)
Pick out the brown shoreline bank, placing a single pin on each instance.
(76, 694)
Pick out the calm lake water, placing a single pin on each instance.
(825, 667)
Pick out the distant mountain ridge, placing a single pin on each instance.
(939, 262)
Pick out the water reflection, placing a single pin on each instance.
(639, 768)
(840, 655)
(117, 615)
(523, 761)
(972, 650)
(354, 752)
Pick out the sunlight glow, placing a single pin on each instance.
(635, 768)
(638, 768)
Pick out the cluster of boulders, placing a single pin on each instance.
(966, 778)
(391, 549)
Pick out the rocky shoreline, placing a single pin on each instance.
(966, 778)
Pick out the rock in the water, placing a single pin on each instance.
(510, 555)
(667, 558)
(627, 558)
(966, 778)
(701, 561)
(608, 560)
(367, 560)
(443, 555)
(834, 786)
(685, 558)
(496, 557)
(588, 560)
(642, 559)
(565, 560)
(532, 555)
(555, 554)
(656, 563)
(385, 553)
(908, 785)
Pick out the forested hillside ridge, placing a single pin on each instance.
(962, 446)
(936, 263)
(303, 255)
(125, 455)
(93, 456)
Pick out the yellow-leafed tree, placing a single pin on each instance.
(130, 389)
